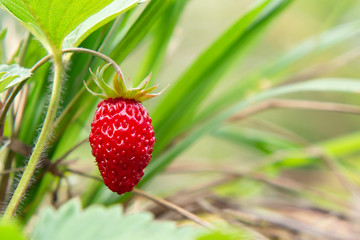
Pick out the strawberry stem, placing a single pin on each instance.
(42, 140)
(99, 55)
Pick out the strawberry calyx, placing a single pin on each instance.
(119, 88)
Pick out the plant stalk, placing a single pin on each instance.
(42, 140)
(10, 155)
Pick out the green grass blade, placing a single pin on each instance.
(344, 145)
(51, 20)
(11, 75)
(322, 85)
(99, 19)
(174, 112)
(258, 141)
(151, 14)
(161, 38)
(275, 68)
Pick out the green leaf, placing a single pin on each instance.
(258, 140)
(97, 20)
(96, 222)
(140, 28)
(51, 20)
(322, 85)
(11, 75)
(175, 112)
(343, 145)
(161, 37)
(310, 47)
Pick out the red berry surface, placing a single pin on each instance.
(122, 140)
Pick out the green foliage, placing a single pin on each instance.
(261, 141)
(161, 37)
(321, 85)
(50, 21)
(96, 222)
(186, 113)
(11, 75)
(97, 20)
(277, 69)
(138, 30)
(175, 112)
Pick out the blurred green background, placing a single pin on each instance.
(244, 145)
(200, 24)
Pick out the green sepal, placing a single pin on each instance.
(99, 80)
(150, 89)
(119, 90)
(119, 84)
(144, 83)
(145, 96)
(102, 96)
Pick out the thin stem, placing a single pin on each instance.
(62, 158)
(295, 104)
(279, 182)
(84, 174)
(334, 166)
(326, 68)
(43, 138)
(76, 99)
(7, 171)
(183, 212)
(212, 209)
(99, 55)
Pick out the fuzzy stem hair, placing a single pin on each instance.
(42, 140)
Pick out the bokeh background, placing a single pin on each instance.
(243, 145)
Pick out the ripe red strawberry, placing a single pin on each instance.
(122, 141)
(122, 137)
